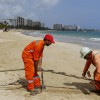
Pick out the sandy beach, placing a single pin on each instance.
(60, 57)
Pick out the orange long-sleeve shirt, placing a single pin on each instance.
(34, 50)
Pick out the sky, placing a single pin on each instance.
(83, 13)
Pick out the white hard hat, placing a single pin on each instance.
(84, 51)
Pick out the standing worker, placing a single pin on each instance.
(92, 57)
(32, 58)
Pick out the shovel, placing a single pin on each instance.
(42, 79)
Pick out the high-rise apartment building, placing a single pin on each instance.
(57, 26)
(19, 21)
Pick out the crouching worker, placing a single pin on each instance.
(32, 58)
(92, 57)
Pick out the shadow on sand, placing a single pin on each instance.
(84, 87)
(23, 82)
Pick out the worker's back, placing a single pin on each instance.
(33, 50)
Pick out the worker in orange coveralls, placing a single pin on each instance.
(32, 58)
(92, 57)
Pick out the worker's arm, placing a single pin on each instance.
(87, 65)
(40, 64)
(38, 54)
(36, 64)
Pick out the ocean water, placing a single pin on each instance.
(89, 39)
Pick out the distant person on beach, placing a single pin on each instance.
(32, 58)
(92, 57)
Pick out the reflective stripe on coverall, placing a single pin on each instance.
(30, 54)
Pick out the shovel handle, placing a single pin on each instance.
(42, 81)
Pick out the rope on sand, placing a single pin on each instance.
(11, 70)
(69, 75)
(52, 71)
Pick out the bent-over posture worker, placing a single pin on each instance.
(92, 57)
(32, 58)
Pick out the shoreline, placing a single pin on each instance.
(47, 32)
(92, 43)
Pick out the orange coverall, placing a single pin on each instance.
(96, 62)
(30, 54)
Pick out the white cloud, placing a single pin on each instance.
(17, 9)
(7, 11)
(27, 8)
(50, 2)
